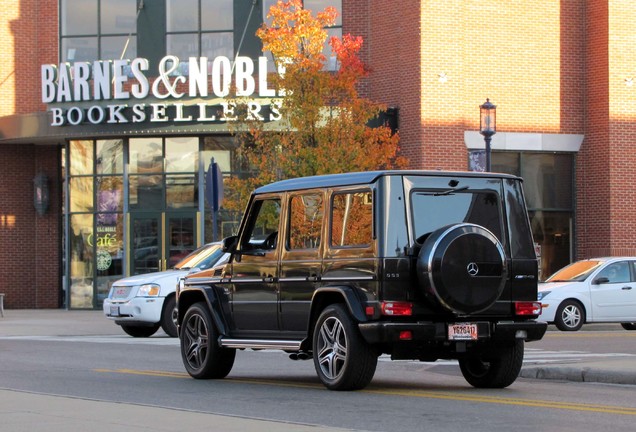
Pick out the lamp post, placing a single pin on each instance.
(487, 125)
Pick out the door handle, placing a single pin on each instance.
(312, 278)
(626, 288)
(268, 279)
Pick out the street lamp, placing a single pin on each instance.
(487, 125)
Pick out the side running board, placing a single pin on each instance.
(285, 345)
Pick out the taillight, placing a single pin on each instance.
(397, 308)
(528, 308)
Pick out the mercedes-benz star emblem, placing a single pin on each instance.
(472, 268)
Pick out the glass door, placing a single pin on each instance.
(145, 243)
(181, 236)
(160, 240)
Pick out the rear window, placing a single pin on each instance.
(432, 210)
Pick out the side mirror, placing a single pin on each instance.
(229, 244)
(600, 280)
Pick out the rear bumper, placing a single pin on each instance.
(388, 332)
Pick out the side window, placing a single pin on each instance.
(616, 273)
(264, 225)
(305, 221)
(351, 219)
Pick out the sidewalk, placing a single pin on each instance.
(23, 411)
(58, 322)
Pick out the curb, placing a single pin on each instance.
(581, 374)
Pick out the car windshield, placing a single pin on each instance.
(199, 255)
(575, 272)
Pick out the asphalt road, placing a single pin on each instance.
(86, 374)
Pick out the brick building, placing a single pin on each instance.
(561, 75)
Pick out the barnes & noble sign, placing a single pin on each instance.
(126, 89)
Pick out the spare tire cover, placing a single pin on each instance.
(462, 267)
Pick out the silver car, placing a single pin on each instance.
(141, 304)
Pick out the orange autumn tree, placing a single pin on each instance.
(324, 127)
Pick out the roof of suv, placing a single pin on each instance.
(356, 178)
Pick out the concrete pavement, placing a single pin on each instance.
(23, 411)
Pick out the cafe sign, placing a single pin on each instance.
(126, 91)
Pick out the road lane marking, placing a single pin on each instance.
(590, 334)
(533, 356)
(535, 403)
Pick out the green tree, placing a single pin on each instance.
(324, 127)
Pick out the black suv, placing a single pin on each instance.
(343, 268)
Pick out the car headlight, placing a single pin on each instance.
(148, 290)
(542, 295)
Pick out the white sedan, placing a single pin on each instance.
(141, 304)
(591, 291)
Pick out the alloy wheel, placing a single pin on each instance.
(195, 337)
(332, 348)
(571, 316)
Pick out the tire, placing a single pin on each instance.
(140, 331)
(629, 326)
(169, 316)
(570, 316)
(342, 358)
(496, 370)
(462, 268)
(202, 357)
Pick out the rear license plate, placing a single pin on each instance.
(464, 331)
(114, 311)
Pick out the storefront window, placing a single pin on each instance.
(81, 157)
(549, 190)
(115, 47)
(182, 15)
(98, 29)
(146, 192)
(78, 17)
(145, 155)
(118, 16)
(552, 233)
(79, 49)
(142, 222)
(110, 157)
(333, 31)
(182, 154)
(81, 194)
(81, 259)
(217, 44)
(109, 252)
(200, 28)
(110, 195)
(181, 191)
(217, 14)
(312, 5)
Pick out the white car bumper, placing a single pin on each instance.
(137, 309)
(548, 309)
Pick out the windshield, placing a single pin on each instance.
(575, 272)
(204, 253)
